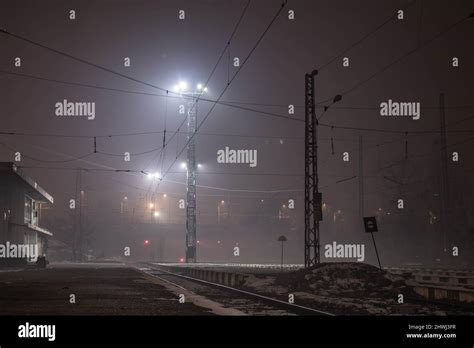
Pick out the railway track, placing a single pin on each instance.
(245, 301)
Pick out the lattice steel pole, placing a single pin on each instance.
(191, 183)
(313, 209)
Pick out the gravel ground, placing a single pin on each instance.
(100, 289)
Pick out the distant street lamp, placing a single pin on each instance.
(282, 239)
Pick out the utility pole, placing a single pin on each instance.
(361, 178)
(81, 200)
(312, 208)
(75, 224)
(77, 228)
(191, 183)
(444, 189)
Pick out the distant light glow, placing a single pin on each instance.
(153, 175)
(183, 86)
(181, 259)
(199, 165)
(147, 242)
(156, 214)
(199, 86)
(184, 165)
(151, 205)
(164, 195)
(222, 202)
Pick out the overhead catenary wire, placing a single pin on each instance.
(230, 82)
(226, 47)
(233, 104)
(399, 59)
(401, 132)
(229, 103)
(364, 37)
(282, 116)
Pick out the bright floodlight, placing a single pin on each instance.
(183, 86)
(183, 165)
(153, 175)
(205, 89)
(175, 88)
(199, 86)
(156, 214)
(199, 165)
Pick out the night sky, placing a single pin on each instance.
(165, 50)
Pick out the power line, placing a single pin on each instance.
(229, 103)
(53, 135)
(236, 26)
(232, 104)
(381, 130)
(230, 82)
(83, 61)
(131, 153)
(406, 55)
(372, 32)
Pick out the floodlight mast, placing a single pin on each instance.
(192, 97)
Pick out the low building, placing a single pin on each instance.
(22, 240)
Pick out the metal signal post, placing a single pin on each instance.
(313, 208)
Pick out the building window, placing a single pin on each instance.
(28, 209)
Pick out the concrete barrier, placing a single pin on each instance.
(445, 279)
(444, 293)
(220, 277)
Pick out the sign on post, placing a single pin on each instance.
(370, 224)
